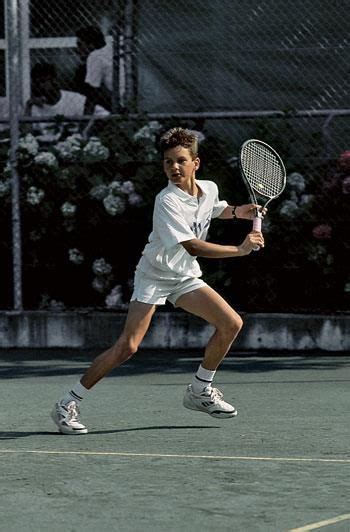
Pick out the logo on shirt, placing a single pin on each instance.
(198, 227)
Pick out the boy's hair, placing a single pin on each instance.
(178, 136)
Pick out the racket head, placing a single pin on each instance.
(262, 169)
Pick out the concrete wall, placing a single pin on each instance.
(173, 330)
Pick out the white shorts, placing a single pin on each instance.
(156, 292)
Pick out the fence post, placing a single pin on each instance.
(129, 52)
(12, 69)
(117, 55)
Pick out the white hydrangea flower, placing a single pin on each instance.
(115, 187)
(101, 267)
(46, 158)
(305, 199)
(76, 256)
(35, 195)
(127, 187)
(115, 298)
(148, 131)
(29, 144)
(5, 187)
(75, 139)
(68, 209)
(95, 150)
(7, 169)
(114, 205)
(135, 199)
(296, 181)
(99, 192)
(69, 149)
(289, 209)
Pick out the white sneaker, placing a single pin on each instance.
(210, 401)
(66, 417)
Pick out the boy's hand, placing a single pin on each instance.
(251, 241)
(248, 212)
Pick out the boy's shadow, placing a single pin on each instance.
(13, 435)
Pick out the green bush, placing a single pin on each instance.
(86, 206)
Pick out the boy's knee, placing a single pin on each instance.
(232, 326)
(124, 349)
(131, 348)
(239, 322)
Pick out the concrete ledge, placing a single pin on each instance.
(173, 330)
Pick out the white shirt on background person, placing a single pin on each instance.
(70, 104)
(99, 67)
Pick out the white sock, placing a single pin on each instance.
(76, 394)
(202, 379)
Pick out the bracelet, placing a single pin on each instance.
(234, 216)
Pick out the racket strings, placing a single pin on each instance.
(263, 170)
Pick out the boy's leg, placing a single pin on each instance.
(137, 323)
(209, 305)
(66, 411)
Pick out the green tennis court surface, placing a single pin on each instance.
(148, 464)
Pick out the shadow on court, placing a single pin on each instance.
(44, 363)
(148, 464)
(14, 435)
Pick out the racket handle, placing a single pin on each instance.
(257, 223)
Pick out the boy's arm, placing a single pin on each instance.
(244, 212)
(201, 248)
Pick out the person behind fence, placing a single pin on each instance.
(49, 100)
(169, 270)
(94, 76)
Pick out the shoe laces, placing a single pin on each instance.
(73, 411)
(216, 395)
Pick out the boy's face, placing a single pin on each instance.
(179, 166)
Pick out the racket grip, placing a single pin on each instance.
(257, 223)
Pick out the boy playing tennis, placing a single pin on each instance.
(168, 270)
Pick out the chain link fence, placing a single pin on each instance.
(81, 169)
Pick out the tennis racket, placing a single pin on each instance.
(264, 174)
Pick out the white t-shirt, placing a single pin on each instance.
(178, 217)
(70, 104)
(99, 67)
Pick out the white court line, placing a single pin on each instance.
(321, 524)
(187, 456)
